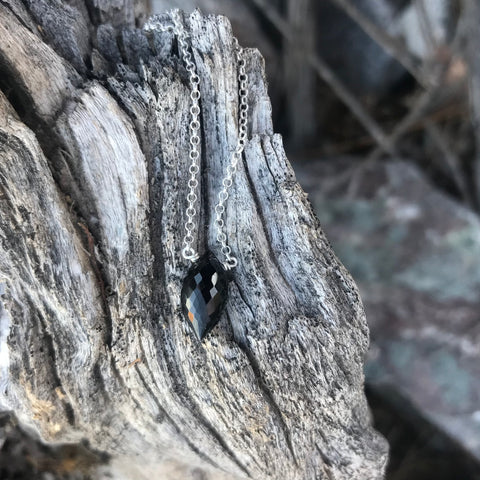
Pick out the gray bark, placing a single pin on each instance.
(94, 150)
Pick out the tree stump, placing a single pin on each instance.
(94, 155)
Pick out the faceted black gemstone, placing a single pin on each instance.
(204, 294)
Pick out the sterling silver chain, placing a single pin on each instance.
(189, 252)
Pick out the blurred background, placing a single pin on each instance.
(379, 105)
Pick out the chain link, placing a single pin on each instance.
(188, 251)
(230, 260)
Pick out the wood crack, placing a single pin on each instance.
(242, 296)
(264, 224)
(18, 17)
(187, 399)
(268, 395)
(165, 414)
(101, 282)
(50, 345)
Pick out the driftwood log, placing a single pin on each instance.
(94, 150)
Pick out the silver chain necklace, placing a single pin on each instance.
(205, 288)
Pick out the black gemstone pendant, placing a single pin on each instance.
(204, 294)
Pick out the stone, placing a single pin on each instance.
(204, 294)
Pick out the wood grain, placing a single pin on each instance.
(92, 202)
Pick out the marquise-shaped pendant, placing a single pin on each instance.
(204, 294)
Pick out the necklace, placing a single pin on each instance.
(205, 287)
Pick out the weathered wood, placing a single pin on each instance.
(248, 27)
(92, 201)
